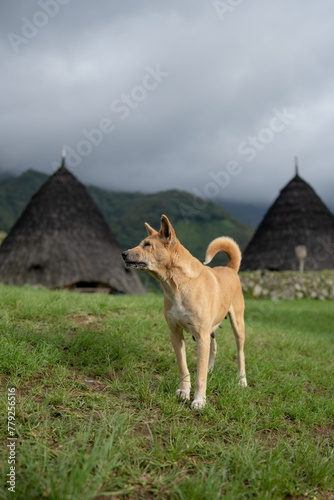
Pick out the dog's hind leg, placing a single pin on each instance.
(213, 351)
(178, 343)
(238, 325)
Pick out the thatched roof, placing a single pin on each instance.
(62, 240)
(297, 217)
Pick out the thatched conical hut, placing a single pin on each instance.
(62, 240)
(297, 232)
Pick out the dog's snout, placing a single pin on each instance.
(125, 254)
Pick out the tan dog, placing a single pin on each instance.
(197, 299)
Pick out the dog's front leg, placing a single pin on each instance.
(203, 353)
(178, 342)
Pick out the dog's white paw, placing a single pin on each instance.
(243, 382)
(198, 404)
(183, 394)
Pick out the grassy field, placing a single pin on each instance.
(97, 416)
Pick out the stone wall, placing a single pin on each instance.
(288, 285)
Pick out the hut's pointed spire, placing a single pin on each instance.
(63, 156)
(296, 165)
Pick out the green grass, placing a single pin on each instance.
(97, 416)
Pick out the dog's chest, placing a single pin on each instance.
(179, 315)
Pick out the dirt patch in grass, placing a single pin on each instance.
(270, 438)
(5, 381)
(30, 384)
(142, 430)
(82, 321)
(86, 320)
(94, 385)
(324, 432)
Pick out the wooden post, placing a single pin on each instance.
(301, 254)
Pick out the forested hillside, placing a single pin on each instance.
(127, 212)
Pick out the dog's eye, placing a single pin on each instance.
(147, 244)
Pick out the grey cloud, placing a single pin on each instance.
(226, 79)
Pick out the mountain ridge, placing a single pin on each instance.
(126, 213)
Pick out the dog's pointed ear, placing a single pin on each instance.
(167, 232)
(150, 229)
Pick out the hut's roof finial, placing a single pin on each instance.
(296, 165)
(63, 156)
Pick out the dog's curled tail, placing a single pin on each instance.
(227, 245)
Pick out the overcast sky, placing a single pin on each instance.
(213, 97)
